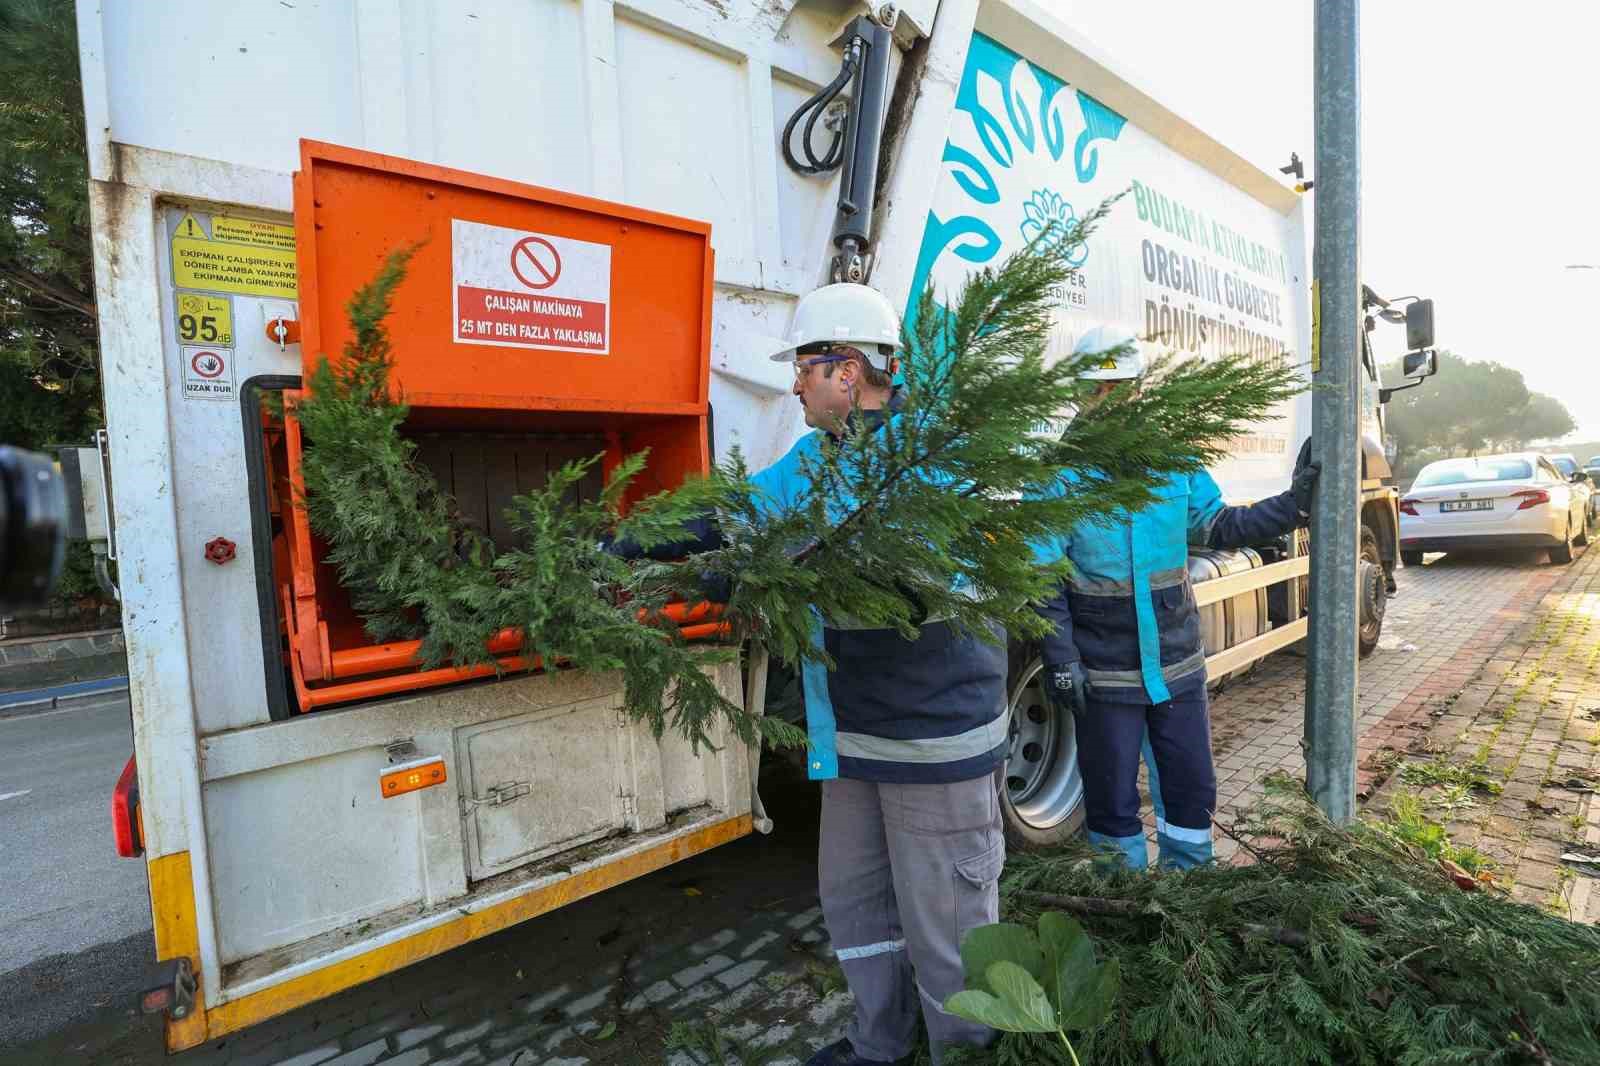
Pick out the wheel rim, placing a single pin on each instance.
(1373, 597)
(1042, 780)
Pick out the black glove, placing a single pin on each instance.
(622, 549)
(1305, 480)
(1067, 685)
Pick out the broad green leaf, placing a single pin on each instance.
(1069, 957)
(1017, 988)
(981, 1007)
(1091, 1001)
(1019, 1007)
(1003, 942)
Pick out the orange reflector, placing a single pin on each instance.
(408, 777)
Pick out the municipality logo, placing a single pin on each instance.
(1050, 220)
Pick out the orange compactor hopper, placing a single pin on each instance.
(533, 327)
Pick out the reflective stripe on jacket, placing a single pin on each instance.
(1128, 612)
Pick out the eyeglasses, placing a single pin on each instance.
(829, 354)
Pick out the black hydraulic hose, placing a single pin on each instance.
(813, 109)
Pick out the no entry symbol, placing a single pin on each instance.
(208, 364)
(535, 262)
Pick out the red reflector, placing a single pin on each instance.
(1530, 498)
(155, 1001)
(125, 813)
(1409, 506)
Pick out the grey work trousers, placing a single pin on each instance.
(905, 872)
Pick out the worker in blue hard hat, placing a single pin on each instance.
(906, 736)
(1126, 655)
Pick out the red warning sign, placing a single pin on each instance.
(530, 290)
(535, 262)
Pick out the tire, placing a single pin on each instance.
(1563, 555)
(1373, 593)
(1041, 798)
(1410, 558)
(1582, 539)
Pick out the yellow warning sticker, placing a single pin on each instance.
(205, 319)
(252, 231)
(221, 266)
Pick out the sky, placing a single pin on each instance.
(1479, 152)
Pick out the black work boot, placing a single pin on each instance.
(840, 1053)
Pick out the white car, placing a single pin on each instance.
(1518, 500)
(1567, 464)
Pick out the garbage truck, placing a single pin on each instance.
(616, 206)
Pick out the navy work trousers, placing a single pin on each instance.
(1183, 781)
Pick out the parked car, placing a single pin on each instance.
(1567, 463)
(1517, 500)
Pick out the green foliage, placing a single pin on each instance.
(49, 383)
(413, 568)
(1336, 947)
(1409, 824)
(1441, 771)
(1021, 983)
(930, 516)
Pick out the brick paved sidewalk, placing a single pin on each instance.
(1487, 665)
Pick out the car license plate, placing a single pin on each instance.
(1466, 505)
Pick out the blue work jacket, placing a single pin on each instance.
(927, 710)
(1128, 612)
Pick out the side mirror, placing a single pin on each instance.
(1419, 364)
(1419, 324)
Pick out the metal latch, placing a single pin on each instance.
(497, 796)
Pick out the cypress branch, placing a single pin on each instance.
(1344, 948)
(931, 516)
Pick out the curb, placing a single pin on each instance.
(32, 701)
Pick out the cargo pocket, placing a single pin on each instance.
(977, 891)
(1177, 623)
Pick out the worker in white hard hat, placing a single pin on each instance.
(906, 736)
(1126, 655)
(842, 343)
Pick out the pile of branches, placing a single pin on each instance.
(1332, 946)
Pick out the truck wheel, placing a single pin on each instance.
(1041, 792)
(1410, 558)
(1563, 554)
(1373, 590)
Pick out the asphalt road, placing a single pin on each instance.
(72, 914)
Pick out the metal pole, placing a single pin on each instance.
(1336, 412)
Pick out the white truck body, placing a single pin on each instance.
(274, 866)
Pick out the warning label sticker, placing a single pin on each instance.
(530, 290)
(205, 319)
(242, 255)
(252, 231)
(207, 373)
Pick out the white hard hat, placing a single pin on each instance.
(845, 313)
(1119, 345)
